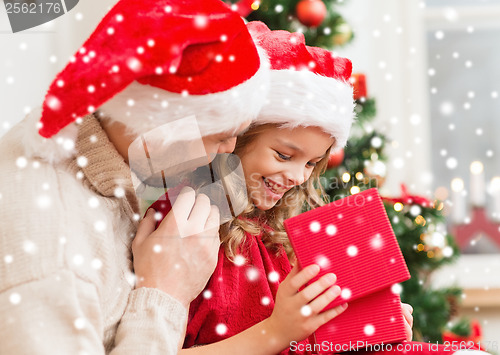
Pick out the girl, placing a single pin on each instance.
(250, 301)
(309, 112)
(255, 302)
(244, 301)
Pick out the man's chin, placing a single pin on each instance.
(160, 180)
(166, 178)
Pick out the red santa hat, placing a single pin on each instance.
(150, 62)
(309, 85)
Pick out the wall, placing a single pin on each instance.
(30, 59)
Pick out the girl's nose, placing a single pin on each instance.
(296, 175)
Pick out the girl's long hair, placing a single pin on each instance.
(306, 196)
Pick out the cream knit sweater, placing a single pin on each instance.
(66, 282)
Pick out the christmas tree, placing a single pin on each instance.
(318, 20)
(418, 223)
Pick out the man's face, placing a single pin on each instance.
(225, 142)
(168, 152)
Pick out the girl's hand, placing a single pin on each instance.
(407, 315)
(297, 314)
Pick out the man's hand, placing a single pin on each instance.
(179, 257)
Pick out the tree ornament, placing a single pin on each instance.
(358, 82)
(343, 34)
(406, 198)
(311, 13)
(376, 170)
(245, 7)
(336, 158)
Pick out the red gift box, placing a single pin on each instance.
(353, 238)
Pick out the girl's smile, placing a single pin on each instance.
(275, 190)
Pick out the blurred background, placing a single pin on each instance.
(426, 85)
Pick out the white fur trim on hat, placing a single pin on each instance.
(57, 148)
(303, 98)
(143, 107)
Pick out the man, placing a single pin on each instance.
(69, 210)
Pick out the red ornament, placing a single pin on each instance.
(311, 13)
(336, 158)
(358, 82)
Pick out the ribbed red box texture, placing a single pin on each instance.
(353, 238)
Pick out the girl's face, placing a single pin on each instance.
(279, 159)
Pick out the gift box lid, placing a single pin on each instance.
(352, 238)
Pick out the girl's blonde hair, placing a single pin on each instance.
(308, 195)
